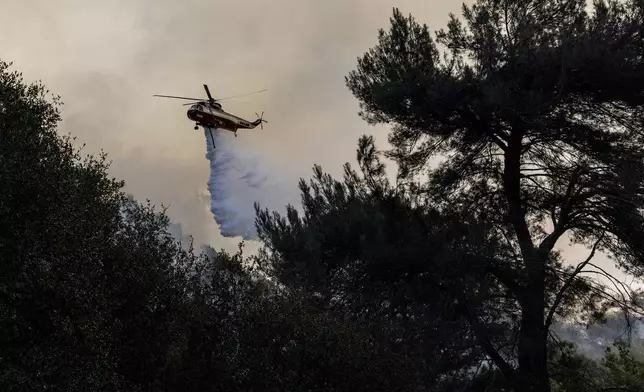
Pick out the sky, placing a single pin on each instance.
(107, 58)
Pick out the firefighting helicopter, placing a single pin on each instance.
(209, 114)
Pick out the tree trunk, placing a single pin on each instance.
(533, 360)
(532, 375)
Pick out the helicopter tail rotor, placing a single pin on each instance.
(261, 120)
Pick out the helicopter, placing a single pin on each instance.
(210, 114)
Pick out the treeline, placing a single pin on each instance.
(444, 279)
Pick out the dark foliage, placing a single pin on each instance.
(535, 108)
(538, 108)
(360, 248)
(57, 212)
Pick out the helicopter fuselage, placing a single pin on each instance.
(213, 117)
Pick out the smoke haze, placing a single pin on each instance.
(107, 59)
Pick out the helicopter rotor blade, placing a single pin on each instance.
(172, 96)
(242, 95)
(205, 86)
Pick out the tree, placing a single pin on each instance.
(57, 210)
(361, 248)
(379, 253)
(537, 108)
(245, 334)
(623, 369)
(149, 283)
(93, 284)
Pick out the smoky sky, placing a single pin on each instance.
(107, 58)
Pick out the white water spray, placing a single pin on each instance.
(236, 182)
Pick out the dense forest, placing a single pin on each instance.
(444, 278)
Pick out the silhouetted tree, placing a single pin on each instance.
(363, 248)
(93, 285)
(536, 109)
(380, 253)
(58, 213)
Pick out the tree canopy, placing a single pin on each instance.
(535, 108)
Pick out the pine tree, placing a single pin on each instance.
(536, 107)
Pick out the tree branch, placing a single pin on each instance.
(607, 296)
(560, 224)
(506, 277)
(619, 286)
(498, 140)
(483, 338)
(512, 190)
(510, 244)
(560, 294)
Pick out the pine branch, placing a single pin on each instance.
(482, 336)
(560, 294)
